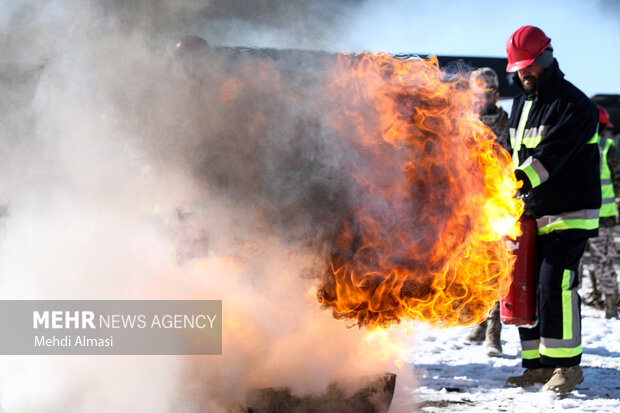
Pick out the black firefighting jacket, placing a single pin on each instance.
(555, 151)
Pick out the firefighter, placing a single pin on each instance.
(602, 248)
(496, 118)
(555, 153)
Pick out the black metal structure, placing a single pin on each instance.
(310, 60)
(507, 88)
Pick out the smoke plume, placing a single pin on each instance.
(131, 171)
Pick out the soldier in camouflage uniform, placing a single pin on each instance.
(602, 248)
(496, 118)
(491, 113)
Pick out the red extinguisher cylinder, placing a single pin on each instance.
(519, 306)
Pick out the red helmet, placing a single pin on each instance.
(524, 46)
(603, 117)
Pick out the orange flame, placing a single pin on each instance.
(436, 199)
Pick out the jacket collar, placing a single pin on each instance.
(549, 81)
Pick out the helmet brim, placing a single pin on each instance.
(521, 64)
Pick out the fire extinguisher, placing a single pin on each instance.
(519, 306)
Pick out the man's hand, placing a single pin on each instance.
(526, 186)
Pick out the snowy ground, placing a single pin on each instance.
(455, 377)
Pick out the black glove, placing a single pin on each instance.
(527, 185)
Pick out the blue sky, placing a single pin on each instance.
(585, 34)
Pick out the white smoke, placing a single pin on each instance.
(123, 177)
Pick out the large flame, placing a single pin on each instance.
(436, 199)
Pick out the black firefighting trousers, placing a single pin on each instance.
(556, 340)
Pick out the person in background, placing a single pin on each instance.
(484, 82)
(602, 248)
(491, 113)
(555, 153)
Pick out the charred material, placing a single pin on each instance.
(368, 395)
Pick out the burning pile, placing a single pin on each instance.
(435, 200)
(390, 164)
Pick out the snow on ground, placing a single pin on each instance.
(453, 377)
